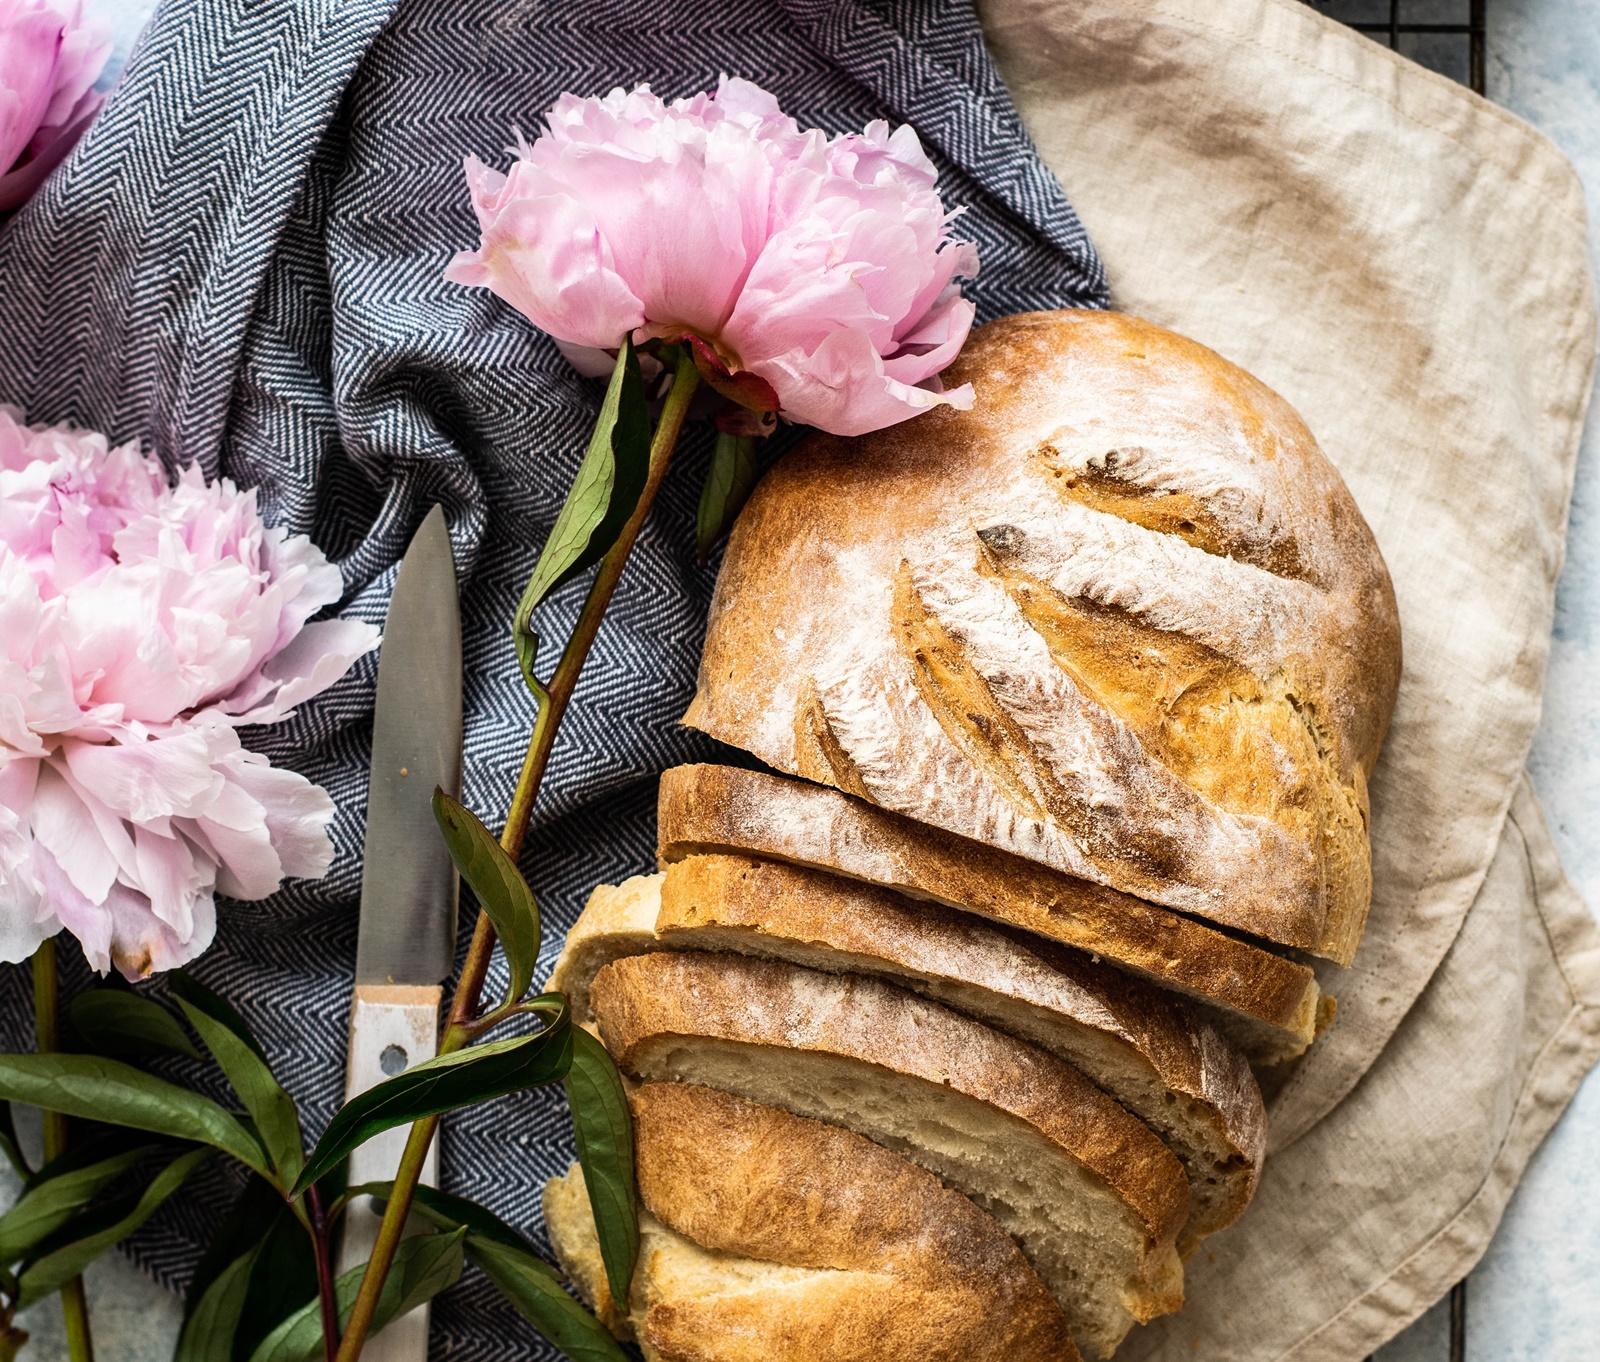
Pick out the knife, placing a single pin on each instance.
(408, 885)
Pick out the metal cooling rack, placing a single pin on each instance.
(1448, 36)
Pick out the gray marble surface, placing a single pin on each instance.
(1534, 1297)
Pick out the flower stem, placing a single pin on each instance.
(47, 1030)
(324, 1260)
(552, 707)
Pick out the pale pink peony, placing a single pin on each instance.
(50, 58)
(823, 267)
(140, 624)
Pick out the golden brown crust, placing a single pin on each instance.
(913, 1271)
(795, 1036)
(1273, 1002)
(1139, 1044)
(1122, 618)
(768, 1003)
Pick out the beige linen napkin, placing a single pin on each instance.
(1405, 263)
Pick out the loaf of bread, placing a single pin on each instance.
(767, 1237)
(1139, 1045)
(1122, 619)
(1092, 1196)
(1269, 1006)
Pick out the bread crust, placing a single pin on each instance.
(1122, 618)
(1142, 1046)
(769, 1237)
(1268, 1005)
(649, 1005)
(740, 1178)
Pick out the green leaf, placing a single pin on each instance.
(243, 1228)
(499, 885)
(604, 495)
(605, 1149)
(55, 1269)
(729, 482)
(209, 1331)
(476, 1074)
(447, 1212)
(98, 1089)
(10, 1145)
(424, 1265)
(525, 1279)
(535, 1290)
(241, 1059)
(189, 989)
(53, 1200)
(115, 1021)
(284, 1279)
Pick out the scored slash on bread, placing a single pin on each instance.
(769, 1237)
(1271, 1007)
(1145, 1048)
(1093, 1197)
(1122, 618)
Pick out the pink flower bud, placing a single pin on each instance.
(819, 270)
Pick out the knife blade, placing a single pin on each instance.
(409, 887)
(408, 884)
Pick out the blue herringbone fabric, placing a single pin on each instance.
(242, 266)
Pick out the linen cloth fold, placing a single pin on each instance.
(1407, 264)
(242, 265)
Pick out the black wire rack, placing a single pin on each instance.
(1449, 36)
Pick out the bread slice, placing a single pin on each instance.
(767, 1237)
(1089, 1192)
(1270, 1007)
(618, 920)
(1141, 1045)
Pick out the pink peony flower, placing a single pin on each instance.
(140, 625)
(815, 276)
(49, 61)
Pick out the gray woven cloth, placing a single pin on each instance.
(242, 266)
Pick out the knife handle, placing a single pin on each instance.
(392, 1027)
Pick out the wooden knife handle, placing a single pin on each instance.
(392, 1027)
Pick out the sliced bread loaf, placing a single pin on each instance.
(1269, 1006)
(767, 1237)
(1141, 1045)
(1090, 1193)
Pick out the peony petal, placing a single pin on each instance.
(85, 45)
(21, 905)
(955, 260)
(683, 223)
(235, 828)
(77, 840)
(317, 657)
(932, 348)
(172, 877)
(297, 813)
(587, 360)
(841, 388)
(88, 920)
(168, 777)
(141, 943)
(814, 279)
(30, 43)
(544, 254)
